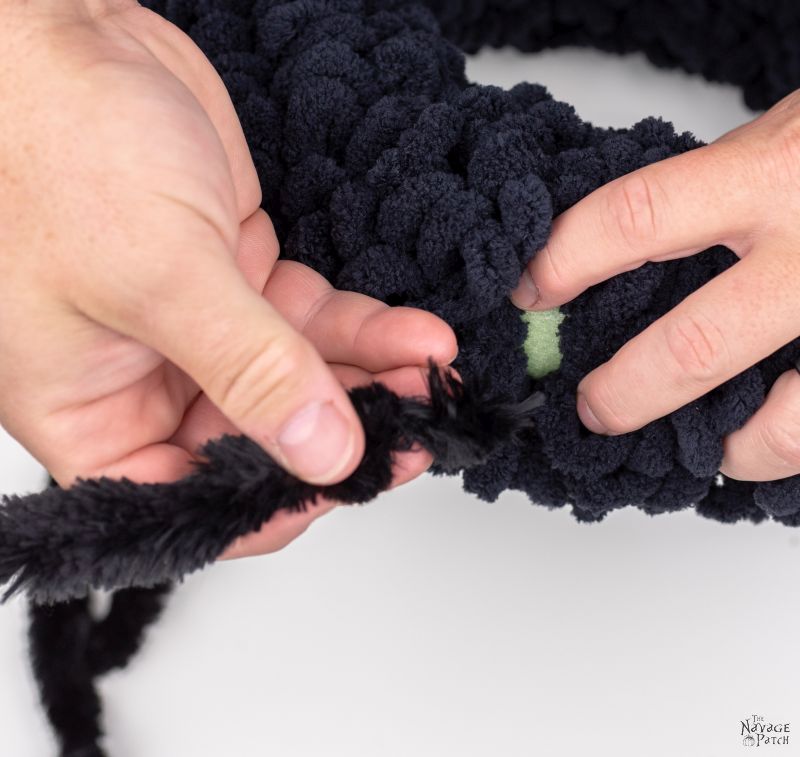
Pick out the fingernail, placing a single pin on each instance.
(317, 442)
(588, 418)
(526, 295)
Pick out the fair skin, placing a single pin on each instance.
(143, 307)
(741, 191)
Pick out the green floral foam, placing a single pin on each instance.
(541, 345)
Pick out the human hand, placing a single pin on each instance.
(142, 310)
(741, 191)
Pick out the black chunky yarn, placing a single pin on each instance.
(750, 43)
(387, 171)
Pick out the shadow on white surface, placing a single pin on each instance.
(432, 624)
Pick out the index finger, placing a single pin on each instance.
(352, 328)
(666, 210)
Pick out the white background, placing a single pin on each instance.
(431, 624)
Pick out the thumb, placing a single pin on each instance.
(263, 375)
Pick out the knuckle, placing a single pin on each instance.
(128, 297)
(779, 153)
(255, 383)
(697, 347)
(551, 271)
(787, 153)
(632, 209)
(164, 276)
(783, 441)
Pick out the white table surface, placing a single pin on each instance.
(431, 624)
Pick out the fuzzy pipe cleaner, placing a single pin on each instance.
(70, 649)
(140, 539)
(111, 534)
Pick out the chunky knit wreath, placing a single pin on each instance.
(391, 174)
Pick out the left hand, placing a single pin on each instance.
(741, 191)
(143, 310)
